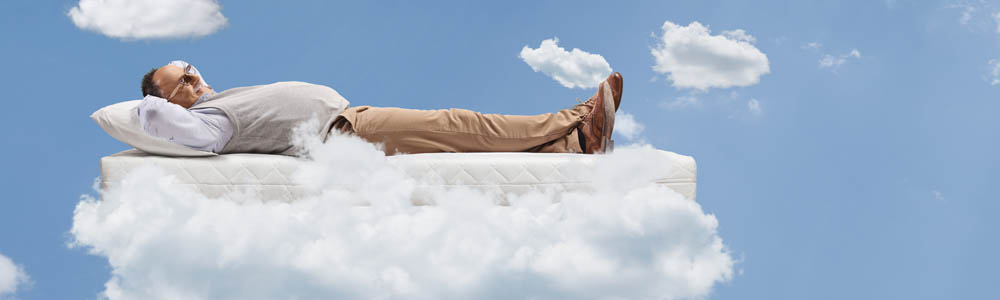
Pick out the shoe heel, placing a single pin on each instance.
(609, 118)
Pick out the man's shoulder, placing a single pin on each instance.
(297, 87)
(279, 84)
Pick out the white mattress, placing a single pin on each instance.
(271, 175)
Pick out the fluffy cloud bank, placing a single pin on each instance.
(11, 276)
(693, 58)
(149, 19)
(627, 239)
(572, 69)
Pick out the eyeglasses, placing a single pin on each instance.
(187, 79)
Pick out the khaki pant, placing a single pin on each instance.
(459, 130)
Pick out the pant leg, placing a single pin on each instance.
(459, 130)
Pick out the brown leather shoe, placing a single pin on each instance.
(615, 81)
(597, 125)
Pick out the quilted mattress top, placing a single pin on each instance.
(271, 175)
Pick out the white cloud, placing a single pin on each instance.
(996, 18)
(812, 46)
(696, 59)
(682, 102)
(572, 69)
(627, 239)
(937, 195)
(829, 61)
(627, 126)
(993, 75)
(11, 276)
(149, 19)
(834, 62)
(754, 107)
(978, 15)
(739, 35)
(967, 11)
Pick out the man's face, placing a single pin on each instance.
(168, 78)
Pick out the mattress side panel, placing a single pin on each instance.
(271, 176)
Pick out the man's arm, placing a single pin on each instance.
(205, 129)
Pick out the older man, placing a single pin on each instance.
(179, 105)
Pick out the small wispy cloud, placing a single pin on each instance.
(753, 106)
(149, 19)
(831, 61)
(982, 17)
(694, 58)
(938, 195)
(681, 103)
(834, 62)
(977, 15)
(996, 19)
(967, 11)
(739, 35)
(12, 277)
(993, 73)
(733, 104)
(573, 69)
(812, 46)
(627, 126)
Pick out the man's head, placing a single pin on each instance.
(177, 85)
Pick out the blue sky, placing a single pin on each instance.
(875, 178)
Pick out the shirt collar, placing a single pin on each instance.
(204, 97)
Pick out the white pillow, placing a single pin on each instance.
(121, 121)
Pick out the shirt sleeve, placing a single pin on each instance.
(205, 129)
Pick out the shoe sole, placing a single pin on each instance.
(609, 118)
